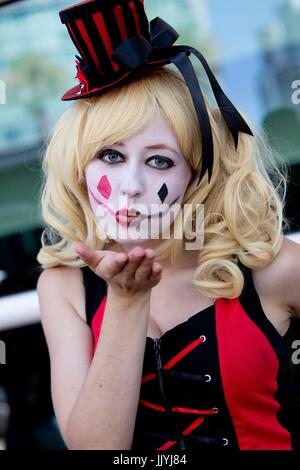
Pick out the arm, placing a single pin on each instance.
(290, 275)
(280, 280)
(105, 411)
(95, 399)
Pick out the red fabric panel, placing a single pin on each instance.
(97, 322)
(249, 368)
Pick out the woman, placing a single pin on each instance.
(191, 351)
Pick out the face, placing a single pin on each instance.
(144, 175)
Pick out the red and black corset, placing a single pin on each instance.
(221, 379)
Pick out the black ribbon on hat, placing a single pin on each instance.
(137, 51)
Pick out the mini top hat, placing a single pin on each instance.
(116, 43)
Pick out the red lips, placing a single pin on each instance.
(123, 211)
(124, 218)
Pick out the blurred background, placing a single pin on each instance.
(253, 48)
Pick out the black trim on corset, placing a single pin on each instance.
(160, 375)
(214, 441)
(185, 375)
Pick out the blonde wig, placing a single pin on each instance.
(243, 203)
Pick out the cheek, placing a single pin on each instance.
(174, 186)
(93, 174)
(180, 181)
(104, 187)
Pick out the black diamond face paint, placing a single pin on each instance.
(163, 192)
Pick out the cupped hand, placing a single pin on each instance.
(127, 273)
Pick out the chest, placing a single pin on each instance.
(172, 304)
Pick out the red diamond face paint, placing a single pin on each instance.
(104, 187)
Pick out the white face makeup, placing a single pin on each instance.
(145, 172)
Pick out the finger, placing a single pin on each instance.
(91, 257)
(135, 257)
(117, 264)
(156, 271)
(144, 269)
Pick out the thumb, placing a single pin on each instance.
(91, 257)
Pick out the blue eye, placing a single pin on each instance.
(109, 154)
(160, 162)
(112, 156)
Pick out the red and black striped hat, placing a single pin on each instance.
(97, 28)
(116, 43)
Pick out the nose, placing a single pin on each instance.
(131, 187)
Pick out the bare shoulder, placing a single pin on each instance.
(279, 281)
(65, 282)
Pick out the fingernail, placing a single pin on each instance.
(150, 252)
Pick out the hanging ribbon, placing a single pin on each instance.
(137, 51)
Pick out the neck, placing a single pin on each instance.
(189, 258)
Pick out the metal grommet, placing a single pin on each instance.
(208, 377)
(225, 441)
(203, 337)
(215, 409)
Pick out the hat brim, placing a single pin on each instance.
(75, 92)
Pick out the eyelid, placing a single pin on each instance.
(109, 150)
(157, 155)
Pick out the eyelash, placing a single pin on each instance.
(104, 153)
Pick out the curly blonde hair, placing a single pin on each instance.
(243, 203)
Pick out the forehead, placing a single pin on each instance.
(156, 130)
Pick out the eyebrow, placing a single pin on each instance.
(154, 147)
